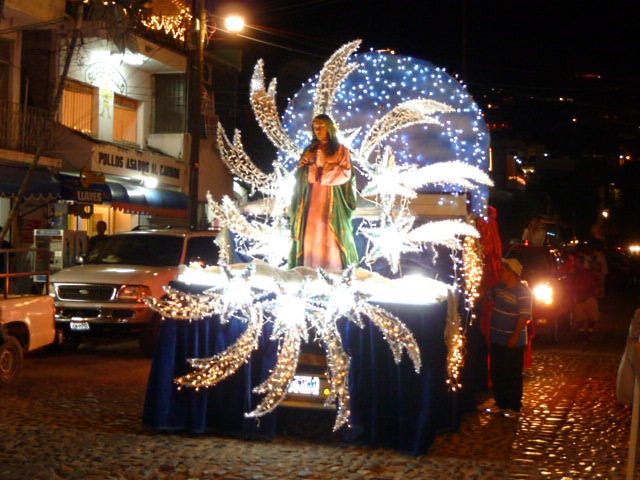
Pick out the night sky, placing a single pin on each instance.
(482, 41)
(540, 46)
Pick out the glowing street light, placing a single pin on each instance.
(234, 23)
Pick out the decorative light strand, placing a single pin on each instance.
(455, 340)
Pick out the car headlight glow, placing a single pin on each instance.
(133, 293)
(543, 293)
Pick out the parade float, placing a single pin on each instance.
(414, 132)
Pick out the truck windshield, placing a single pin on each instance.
(152, 250)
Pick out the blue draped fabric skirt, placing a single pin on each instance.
(392, 406)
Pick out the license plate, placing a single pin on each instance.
(79, 326)
(305, 385)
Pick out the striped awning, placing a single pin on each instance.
(42, 185)
(128, 198)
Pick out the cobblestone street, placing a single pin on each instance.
(78, 416)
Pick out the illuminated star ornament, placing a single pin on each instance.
(389, 240)
(411, 129)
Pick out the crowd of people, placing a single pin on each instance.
(584, 271)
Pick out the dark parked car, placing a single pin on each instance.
(544, 271)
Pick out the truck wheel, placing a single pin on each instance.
(11, 358)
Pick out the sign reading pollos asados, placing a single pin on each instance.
(137, 165)
(114, 160)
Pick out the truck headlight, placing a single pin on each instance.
(133, 293)
(543, 293)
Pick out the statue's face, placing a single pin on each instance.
(320, 130)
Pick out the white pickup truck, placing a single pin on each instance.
(27, 320)
(104, 297)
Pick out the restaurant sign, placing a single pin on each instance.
(87, 196)
(114, 160)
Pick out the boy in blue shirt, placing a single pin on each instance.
(511, 312)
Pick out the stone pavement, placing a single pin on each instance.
(78, 416)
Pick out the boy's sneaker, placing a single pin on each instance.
(508, 413)
(489, 407)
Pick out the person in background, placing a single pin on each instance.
(97, 241)
(323, 203)
(535, 234)
(512, 311)
(599, 265)
(583, 283)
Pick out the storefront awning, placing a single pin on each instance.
(137, 199)
(42, 185)
(128, 198)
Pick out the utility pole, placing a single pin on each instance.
(194, 109)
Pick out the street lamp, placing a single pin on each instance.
(234, 23)
(195, 123)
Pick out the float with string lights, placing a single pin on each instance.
(410, 128)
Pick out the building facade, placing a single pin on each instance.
(118, 147)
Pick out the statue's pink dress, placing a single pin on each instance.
(321, 249)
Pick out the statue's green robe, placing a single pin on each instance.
(321, 211)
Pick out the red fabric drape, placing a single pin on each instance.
(492, 248)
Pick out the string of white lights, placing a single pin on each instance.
(331, 77)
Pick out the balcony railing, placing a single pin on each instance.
(24, 128)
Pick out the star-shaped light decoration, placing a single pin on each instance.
(389, 240)
(238, 293)
(269, 239)
(389, 179)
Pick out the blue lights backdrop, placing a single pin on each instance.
(384, 80)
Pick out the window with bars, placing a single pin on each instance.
(79, 106)
(169, 103)
(125, 119)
